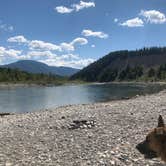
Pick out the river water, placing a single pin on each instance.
(29, 99)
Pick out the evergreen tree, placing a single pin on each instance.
(151, 72)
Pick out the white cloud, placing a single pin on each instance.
(48, 57)
(41, 45)
(34, 44)
(115, 20)
(18, 39)
(149, 16)
(69, 56)
(71, 46)
(74, 7)
(153, 16)
(45, 46)
(75, 63)
(36, 55)
(79, 63)
(68, 60)
(88, 32)
(8, 55)
(135, 22)
(63, 9)
(45, 52)
(83, 5)
(79, 40)
(93, 46)
(67, 47)
(9, 52)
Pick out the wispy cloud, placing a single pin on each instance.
(79, 40)
(135, 22)
(63, 9)
(83, 5)
(5, 27)
(88, 32)
(153, 16)
(74, 7)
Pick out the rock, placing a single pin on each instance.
(112, 162)
(8, 164)
(63, 117)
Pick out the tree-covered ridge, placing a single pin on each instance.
(17, 76)
(124, 65)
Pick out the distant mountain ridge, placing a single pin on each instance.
(38, 67)
(116, 65)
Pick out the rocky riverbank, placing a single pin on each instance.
(101, 134)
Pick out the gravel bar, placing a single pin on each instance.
(100, 134)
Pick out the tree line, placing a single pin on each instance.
(134, 73)
(17, 76)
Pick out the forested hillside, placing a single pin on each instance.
(143, 64)
(17, 76)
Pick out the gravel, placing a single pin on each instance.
(100, 134)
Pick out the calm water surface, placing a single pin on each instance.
(28, 99)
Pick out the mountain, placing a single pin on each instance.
(124, 65)
(38, 67)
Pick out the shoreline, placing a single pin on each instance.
(88, 134)
(4, 85)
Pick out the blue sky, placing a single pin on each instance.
(75, 33)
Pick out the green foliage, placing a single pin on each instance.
(108, 75)
(131, 73)
(151, 72)
(17, 76)
(161, 72)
